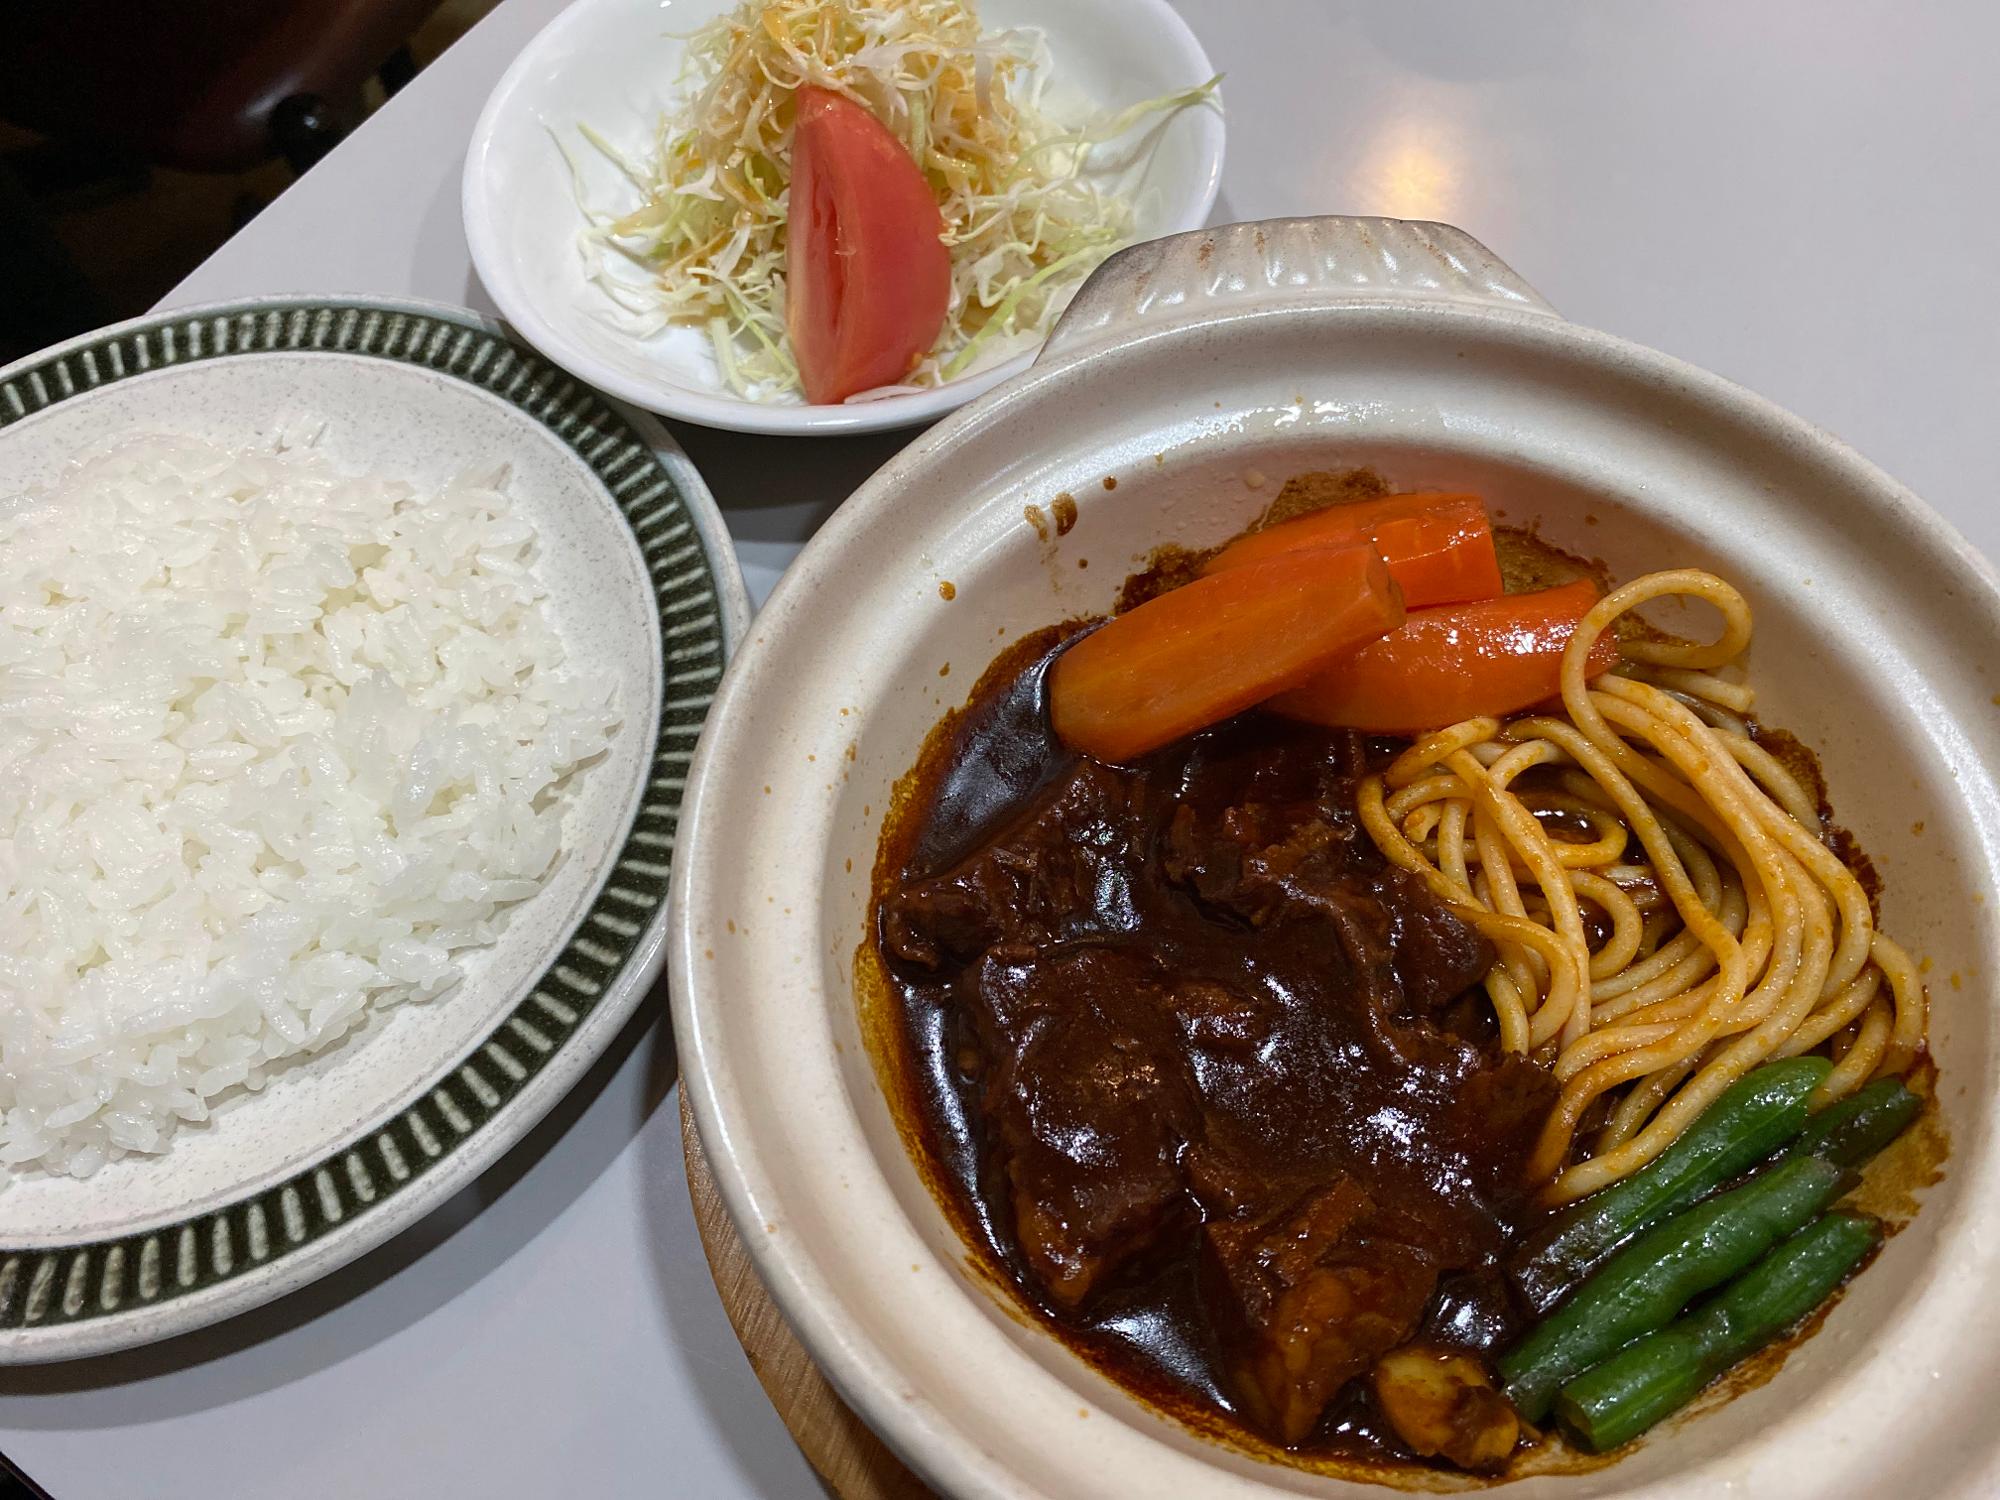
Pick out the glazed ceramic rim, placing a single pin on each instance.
(865, 1372)
(125, 1290)
(734, 413)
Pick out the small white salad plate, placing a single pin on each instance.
(611, 66)
(338, 1153)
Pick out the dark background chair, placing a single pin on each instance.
(101, 93)
(14, 1485)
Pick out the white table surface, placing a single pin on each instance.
(1798, 194)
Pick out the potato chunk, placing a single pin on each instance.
(1443, 1401)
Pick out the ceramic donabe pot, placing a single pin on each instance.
(1198, 372)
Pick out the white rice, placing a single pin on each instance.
(276, 742)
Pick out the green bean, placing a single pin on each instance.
(1656, 1376)
(1858, 1126)
(1643, 1286)
(1753, 1117)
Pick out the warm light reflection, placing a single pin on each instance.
(1413, 170)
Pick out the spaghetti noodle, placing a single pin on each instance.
(1702, 927)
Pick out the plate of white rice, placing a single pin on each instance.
(351, 656)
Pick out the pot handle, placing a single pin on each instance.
(1331, 256)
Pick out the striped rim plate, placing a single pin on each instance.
(97, 1295)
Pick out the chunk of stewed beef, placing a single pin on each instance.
(1090, 1102)
(1311, 1297)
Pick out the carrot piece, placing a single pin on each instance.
(1439, 547)
(1493, 656)
(1214, 647)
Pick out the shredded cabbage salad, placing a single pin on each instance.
(1029, 206)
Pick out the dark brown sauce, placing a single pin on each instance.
(1310, 1078)
(1148, 1321)
(1166, 567)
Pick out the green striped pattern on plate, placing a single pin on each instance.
(44, 1287)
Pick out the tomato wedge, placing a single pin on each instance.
(1214, 647)
(1439, 547)
(867, 276)
(1495, 656)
